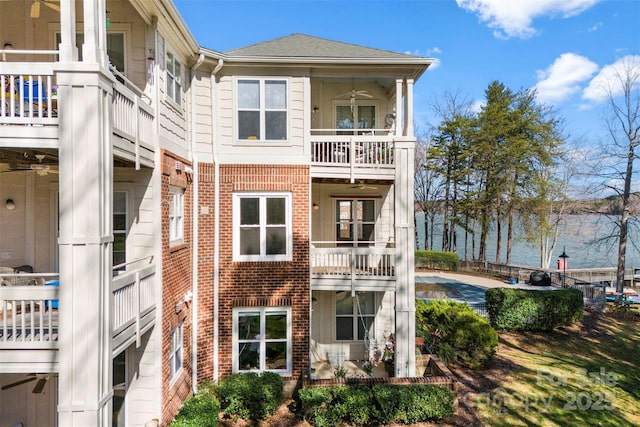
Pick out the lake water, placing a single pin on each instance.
(577, 234)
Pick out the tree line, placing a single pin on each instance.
(509, 164)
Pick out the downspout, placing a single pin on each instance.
(216, 223)
(194, 212)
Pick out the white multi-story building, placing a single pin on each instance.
(170, 213)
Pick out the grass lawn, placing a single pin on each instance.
(585, 375)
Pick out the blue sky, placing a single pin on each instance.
(560, 47)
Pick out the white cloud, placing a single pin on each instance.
(435, 64)
(562, 78)
(477, 105)
(609, 81)
(595, 27)
(433, 51)
(509, 18)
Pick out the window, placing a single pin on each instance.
(175, 356)
(262, 339)
(176, 215)
(174, 78)
(354, 316)
(262, 227)
(356, 117)
(355, 222)
(119, 227)
(262, 110)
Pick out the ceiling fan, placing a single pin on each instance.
(364, 187)
(40, 168)
(38, 388)
(35, 7)
(353, 94)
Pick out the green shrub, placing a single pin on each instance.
(376, 405)
(250, 396)
(455, 333)
(533, 310)
(437, 260)
(200, 410)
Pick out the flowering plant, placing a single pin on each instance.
(389, 348)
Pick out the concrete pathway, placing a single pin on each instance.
(468, 287)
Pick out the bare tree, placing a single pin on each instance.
(620, 84)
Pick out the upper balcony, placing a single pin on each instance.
(30, 306)
(30, 112)
(356, 156)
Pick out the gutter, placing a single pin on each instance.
(216, 225)
(194, 212)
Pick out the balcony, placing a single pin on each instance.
(352, 268)
(352, 156)
(29, 309)
(29, 112)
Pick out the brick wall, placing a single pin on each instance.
(177, 265)
(268, 283)
(206, 225)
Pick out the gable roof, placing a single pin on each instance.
(304, 46)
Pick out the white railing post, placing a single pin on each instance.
(137, 306)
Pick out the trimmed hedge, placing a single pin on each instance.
(375, 405)
(533, 310)
(200, 410)
(454, 332)
(437, 260)
(250, 396)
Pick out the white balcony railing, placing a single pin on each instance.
(29, 306)
(132, 301)
(354, 263)
(28, 94)
(28, 311)
(352, 150)
(133, 118)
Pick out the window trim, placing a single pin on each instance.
(176, 348)
(355, 223)
(261, 139)
(237, 197)
(121, 189)
(358, 103)
(263, 311)
(169, 51)
(355, 316)
(176, 236)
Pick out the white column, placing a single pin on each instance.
(85, 245)
(409, 107)
(67, 47)
(405, 281)
(399, 112)
(94, 49)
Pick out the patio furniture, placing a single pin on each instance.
(54, 303)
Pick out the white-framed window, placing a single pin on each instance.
(355, 316)
(262, 109)
(176, 355)
(176, 215)
(174, 77)
(262, 339)
(356, 222)
(120, 227)
(356, 118)
(262, 227)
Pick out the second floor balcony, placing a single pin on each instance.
(31, 112)
(30, 306)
